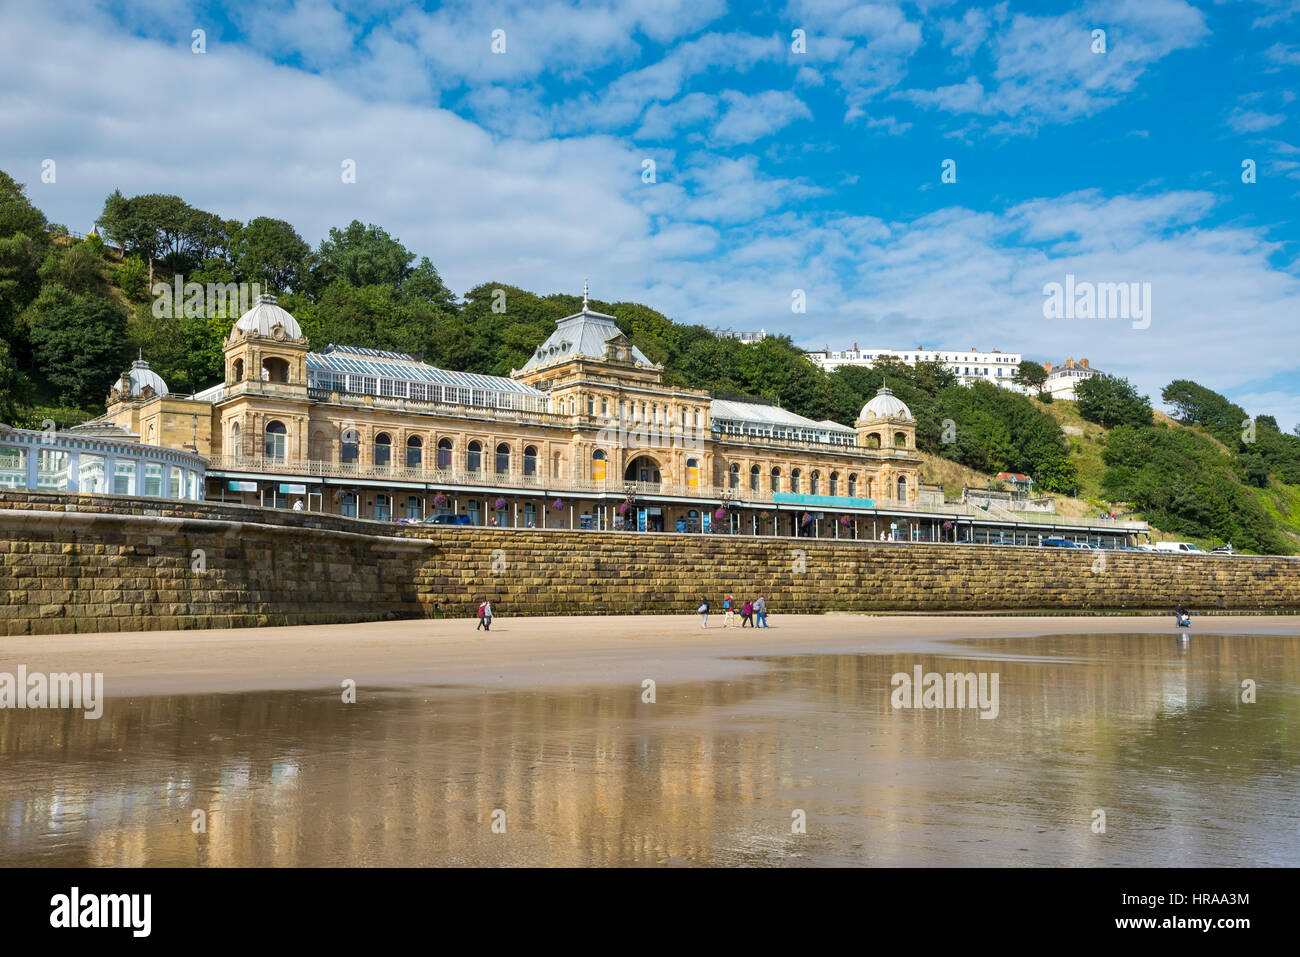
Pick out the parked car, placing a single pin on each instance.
(1061, 543)
(448, 520)
(1186, 547)
(1222, 550)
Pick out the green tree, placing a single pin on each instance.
(13, 385)
(80, 344)
(132, 278)
(77, 268)
(1110, 401)
(270, 252)
(17, 214)
(362, 256)
(1031, 374)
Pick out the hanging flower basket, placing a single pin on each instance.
(558, 504)
(720, 514)
(807, 519)
(624, 508)
(844, 521)
(440, 500)
(338, 495)
(499, 504)
(947, 526)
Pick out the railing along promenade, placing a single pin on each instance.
(537, 484)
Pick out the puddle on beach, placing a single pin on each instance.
(1150, 731)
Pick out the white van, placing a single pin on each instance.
(1179, 547)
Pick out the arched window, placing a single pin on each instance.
(853, 485)
(530, 460)
(414, 452)
(794, 481)
(733, 476)
(873, 440)
(776, 480)
(753, 478)
(277, 441)
(383, 509)
(503, 458)
(349, 505)
(474, 456)
(444, 453)
(275, 369)
(598, 461)
(472, 509)
(349, 447)
(414, 511)
(692, 473)
(900, 440)
(871, 486)
(239, 370)
(835, 483)
(902, 489)
(235, 447)
(814, 482)
(383, 450)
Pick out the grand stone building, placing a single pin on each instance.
(586, 434)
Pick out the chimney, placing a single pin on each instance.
(1083, 364)
(1047, 367)
(1069, 363)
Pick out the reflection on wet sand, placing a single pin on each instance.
(1151, 731)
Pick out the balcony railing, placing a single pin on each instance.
(569, 485)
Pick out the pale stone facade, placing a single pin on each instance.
(587, 434)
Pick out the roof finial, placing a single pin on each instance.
(584, 295)
(141, 356)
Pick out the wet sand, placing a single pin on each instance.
(544, 723)
(532, 653)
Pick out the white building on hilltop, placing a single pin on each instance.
(990, 365)
(1061, 380)
(748, 338)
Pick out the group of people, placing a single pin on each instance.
(752, 613)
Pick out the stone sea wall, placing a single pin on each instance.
(79, 563)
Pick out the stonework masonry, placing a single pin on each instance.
(88, 563)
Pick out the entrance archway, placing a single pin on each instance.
(642, 469)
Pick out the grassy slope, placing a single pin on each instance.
(1281, 501)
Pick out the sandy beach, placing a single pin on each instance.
(524, 653)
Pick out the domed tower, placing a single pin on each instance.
(138, 382)
(886, 423)
(887, 434)
(266, 351)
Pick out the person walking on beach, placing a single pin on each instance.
(728, 612)
(703, 612)
(760, 609)
(485, 616)
(1183, 616)
(747, 613)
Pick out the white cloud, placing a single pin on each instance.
(966, 35)
(715, 240)
(748, 118)
(1253, 121)
(1046, 70)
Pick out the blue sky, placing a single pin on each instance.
(775, 170)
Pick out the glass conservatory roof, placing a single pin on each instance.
(399, 365)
